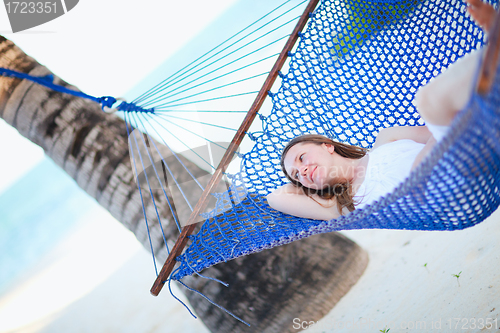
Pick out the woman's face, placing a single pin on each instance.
(311, 164)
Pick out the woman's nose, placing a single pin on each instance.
(303, 170)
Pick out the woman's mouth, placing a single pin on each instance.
(312, 174)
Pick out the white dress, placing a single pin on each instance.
(388, 166)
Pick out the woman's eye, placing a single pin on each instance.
(297, 175)
(301, 156)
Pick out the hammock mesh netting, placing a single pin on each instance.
(355, 70)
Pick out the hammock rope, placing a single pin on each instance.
(216, 70)
(142, 203)
(177, 74)
(186, 146)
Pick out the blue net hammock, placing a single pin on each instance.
(354, 71)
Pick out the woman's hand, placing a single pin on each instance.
(290, 199)
(424, 152)
(482, 12)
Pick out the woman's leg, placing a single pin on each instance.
(445, 95)
(440, 100)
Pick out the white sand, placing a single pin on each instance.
(397, 292)
(98, 280)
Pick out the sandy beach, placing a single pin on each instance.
(411, 283)
(98, 280)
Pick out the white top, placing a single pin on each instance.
(388, 166)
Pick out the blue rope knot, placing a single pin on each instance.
(251, 136)
(230, 176)
(49, 78)
(131, 107)
(106, 101)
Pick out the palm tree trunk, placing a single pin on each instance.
(302, 280)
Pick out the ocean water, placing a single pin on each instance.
(36, 212)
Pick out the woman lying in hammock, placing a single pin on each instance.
(329, 178)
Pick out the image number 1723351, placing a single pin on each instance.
(24, 15)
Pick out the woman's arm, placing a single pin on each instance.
(424, 152)
(291, 200)
(418, 134)
(443, 96)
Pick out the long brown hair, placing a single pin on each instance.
(342, 190)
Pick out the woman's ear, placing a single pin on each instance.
(329, 147)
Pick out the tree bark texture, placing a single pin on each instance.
(303, 280)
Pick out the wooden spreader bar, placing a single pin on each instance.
(490, 61)
(226, 159)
